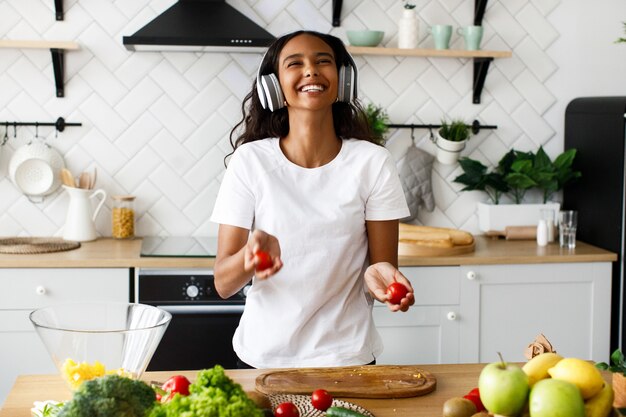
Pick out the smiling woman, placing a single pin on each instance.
(308, 185)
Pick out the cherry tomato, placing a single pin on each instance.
(474, 396)
(178, 384)
(286, 410)
(321, 399)
(396, 292)
(263, 259)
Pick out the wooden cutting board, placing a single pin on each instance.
(410, 249)
(378, 381)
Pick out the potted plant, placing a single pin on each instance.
(378, 121)
(516, 173)
(451, 139)
(618, 367)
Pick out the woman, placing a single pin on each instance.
(307, 185)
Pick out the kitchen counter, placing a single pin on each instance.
(111, 253)
(452, 381)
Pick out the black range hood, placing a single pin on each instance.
(200, 25)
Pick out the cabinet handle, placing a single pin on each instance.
(41, 290)
(451, 316)
(471, 275)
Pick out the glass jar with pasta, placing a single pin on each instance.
(123, 217)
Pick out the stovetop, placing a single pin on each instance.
(179, 246)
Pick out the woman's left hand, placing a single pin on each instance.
(379, 276)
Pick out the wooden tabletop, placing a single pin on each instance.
(112, 253)
(452, 381)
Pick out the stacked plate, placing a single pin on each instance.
(35, 169)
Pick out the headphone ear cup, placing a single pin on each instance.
(273, 98)
(347, 84)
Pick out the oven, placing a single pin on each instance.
(202, 327)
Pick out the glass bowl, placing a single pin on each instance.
(88, 340)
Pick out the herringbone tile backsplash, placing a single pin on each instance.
(156, 124)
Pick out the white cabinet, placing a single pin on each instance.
(466, 314)
(25, 289)
(507, 306)
(429, 331)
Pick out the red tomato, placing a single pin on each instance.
(396, 292)
(474, 397)
(321, 399)
(286, 410)
(263, 260)
(178, 384)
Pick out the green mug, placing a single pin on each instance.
(441, 35)
(472, 35)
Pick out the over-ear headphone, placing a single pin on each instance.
(272, 98)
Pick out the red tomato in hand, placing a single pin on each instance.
(178, 384)
(286, 410)
(396, 292)
(263, 260)
(321, 399)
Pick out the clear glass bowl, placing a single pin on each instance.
(87, 340)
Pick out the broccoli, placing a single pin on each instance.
(213, 394)
(110, 396)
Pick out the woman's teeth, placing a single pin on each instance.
(308, 88)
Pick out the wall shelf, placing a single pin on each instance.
(57, 50)
(481, 58)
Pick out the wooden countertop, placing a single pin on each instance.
(111, 253)
(452, 381)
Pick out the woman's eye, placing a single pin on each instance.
(293, 63)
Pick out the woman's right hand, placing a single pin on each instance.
(262, 241)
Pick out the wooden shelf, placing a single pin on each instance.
(57, 50)
(438, 53)
(481, 58)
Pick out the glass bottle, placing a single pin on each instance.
(123, 217)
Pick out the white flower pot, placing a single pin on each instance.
(496, 217)
(448, 151)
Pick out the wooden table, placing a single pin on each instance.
(452, 381)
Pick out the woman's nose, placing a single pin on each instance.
(310, 70)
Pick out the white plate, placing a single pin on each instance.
(34, 177)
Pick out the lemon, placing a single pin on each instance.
(579, 372)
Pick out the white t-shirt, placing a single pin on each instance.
(316, 311)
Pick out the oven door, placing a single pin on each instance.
(198, 337)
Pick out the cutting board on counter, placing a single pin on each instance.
(372, 381)
(412, 249)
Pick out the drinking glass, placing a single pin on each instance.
(568, 220)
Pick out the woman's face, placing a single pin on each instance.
(308, 73)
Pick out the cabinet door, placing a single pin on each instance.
(21, 350)
(508, 306)
(429, 331)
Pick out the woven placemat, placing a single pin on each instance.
(33, 245)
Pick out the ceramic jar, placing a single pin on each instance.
(408, 29)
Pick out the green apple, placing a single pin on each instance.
(503, 388)
(556, 398)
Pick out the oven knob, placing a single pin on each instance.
(192, 291)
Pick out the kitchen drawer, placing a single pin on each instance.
(434, 285)
(15, 321)
(28, 288)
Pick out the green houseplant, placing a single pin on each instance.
(378, 121)
(516, 173)
(451, 139)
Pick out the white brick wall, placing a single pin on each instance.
(156, 124)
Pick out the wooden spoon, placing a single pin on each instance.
(67, 178)
(92, 181)
(84, 181)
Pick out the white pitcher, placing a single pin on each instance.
(79, 224)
